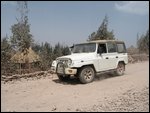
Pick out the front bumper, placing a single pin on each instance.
(63, 69)
(66, 71)
(69, 71)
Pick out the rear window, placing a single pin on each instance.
(111, 47)
(121, 48)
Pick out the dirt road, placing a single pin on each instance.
(129, 92)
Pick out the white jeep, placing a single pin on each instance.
(88, 59)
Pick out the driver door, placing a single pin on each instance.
(103, 58)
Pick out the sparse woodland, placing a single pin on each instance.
(22, 39)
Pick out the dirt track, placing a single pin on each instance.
(129, 92)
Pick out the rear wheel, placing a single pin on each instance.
(86, 74)
(120, 68)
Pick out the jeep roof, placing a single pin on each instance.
(100, 41)
(104, 41)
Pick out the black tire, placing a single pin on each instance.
(63, 78)
(86, 74)
(120, 69)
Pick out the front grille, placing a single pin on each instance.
(64, 62)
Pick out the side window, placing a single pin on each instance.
(121, 48)
(102, 48)
(111, 47)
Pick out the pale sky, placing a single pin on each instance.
(71, 22)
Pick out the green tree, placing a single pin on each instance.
(6, 54)
(57, 50)
(37, 48)
(102, 32)
(46, 54)
(21, 38)
(66, 50)
(5, 51)
(143, 43)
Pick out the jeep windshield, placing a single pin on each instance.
(84, 48)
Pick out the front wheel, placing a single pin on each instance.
(86, 74)
(120, 69)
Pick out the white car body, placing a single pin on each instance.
(100, 62)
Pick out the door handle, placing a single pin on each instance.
(116, 56)
(107, 58)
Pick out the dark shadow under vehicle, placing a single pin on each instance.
(75, 81)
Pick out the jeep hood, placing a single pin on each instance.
(79, 56)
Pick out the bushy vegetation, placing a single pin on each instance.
(143, 43)
(22, 39)
(102, 32)
(49, 53)
(46, 52)
(6, 54)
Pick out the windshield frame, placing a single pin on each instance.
(85, 47)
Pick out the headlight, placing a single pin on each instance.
(57, 60)
(54, 63)
(69, 62)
